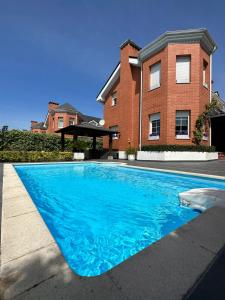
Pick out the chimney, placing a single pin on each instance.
(33, 123)
(52, 105)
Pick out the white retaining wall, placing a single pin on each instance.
(176, 155)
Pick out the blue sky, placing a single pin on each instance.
(64, 50)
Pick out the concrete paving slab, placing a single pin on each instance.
(13, 192)
(66, 285)
(23, 234)
(18, 206)
(23, 273)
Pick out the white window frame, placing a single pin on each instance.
(154, 117)
(182, 62)
(60, 119)
(154, 70)
(183, 113)
(114, 99)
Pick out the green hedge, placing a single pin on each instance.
(193, 148)
(19, 140)
(34, 156)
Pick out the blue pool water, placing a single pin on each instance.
(100, 214)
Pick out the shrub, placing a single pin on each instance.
(34, 156)
(193, 148)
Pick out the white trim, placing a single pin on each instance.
(134, 61)
(182, 137)
(153, 137)
(46, 119)
(113, 78)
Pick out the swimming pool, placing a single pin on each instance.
(101, 214)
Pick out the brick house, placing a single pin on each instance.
(59, 116)
(155, 94)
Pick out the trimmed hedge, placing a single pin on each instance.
(19, 140)
(34, 156)
(192, 148)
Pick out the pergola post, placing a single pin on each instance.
(74, 141)
(110, 145)
(93, 146)
(62, 142)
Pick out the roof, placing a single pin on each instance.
(200, 35)
(130, 42)
(87, 118)
(86, 130)
(66, 107)
(39, 125)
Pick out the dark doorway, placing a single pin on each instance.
(218, 132)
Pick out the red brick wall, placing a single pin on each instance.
(155, 101)
(126, 113)
(53, 121)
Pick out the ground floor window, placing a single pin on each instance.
(154, 126)
(60, 122)
(115, 136)
(182, 124)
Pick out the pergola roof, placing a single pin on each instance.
(86, 130)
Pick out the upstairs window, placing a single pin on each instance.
(60, 122)
(154, 127)
(114, 99)
(205, 67)
(183, 68)
(155, 73)
(182, 124)
(71, 121)
(115, 136)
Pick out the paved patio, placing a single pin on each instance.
(179, 266)
(216, 167)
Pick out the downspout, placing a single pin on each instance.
(140, 108)
(210, 97)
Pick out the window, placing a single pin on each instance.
(155, 71)
(182, 124)
(183, 67)
(71, 121)
(115, 136)
(60, 122)
(114, 99)
(205, 65)
(154, 127)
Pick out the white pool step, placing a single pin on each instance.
(203, 198)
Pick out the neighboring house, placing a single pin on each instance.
(155, 94)
(60, 116)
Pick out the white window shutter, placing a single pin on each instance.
(155, 76)
(183, 66)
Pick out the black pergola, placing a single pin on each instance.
(89, 131)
